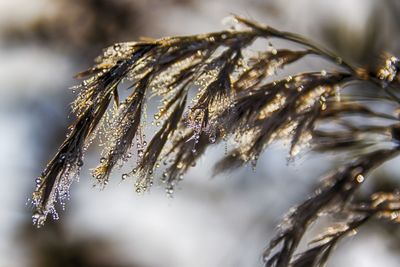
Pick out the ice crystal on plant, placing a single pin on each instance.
(214, 87)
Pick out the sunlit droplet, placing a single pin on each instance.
(360, 178)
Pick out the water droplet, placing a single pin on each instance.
(165, 175)
(213, 139)
(169, 190)
(62, 158)
(360, 178)
(124, 176)
(102, 160)
(179, 165)
(117, 47)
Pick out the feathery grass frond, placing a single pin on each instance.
(220, 86)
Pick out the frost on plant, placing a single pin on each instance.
(228, 86)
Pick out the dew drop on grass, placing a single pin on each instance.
(164, 177)
(360, 178)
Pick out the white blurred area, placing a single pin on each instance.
(221, 221)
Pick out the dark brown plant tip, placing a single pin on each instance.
(333, 196)
(218, 87)
(382, 206)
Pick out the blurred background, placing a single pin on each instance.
(220, 221)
